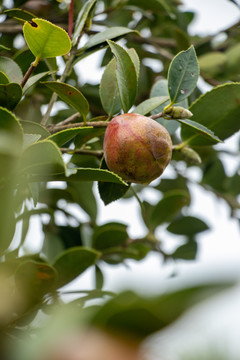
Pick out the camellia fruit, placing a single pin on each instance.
(137, 148)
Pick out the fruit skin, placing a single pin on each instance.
(137, 148)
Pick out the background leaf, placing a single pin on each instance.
(10, 95)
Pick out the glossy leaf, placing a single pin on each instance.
(199, 128)
(10, 69)
(10, 95)
(126, 76)
(19, 14)
(70, 95)
(135, 59)
(42, 158)
(108, 90)
(150, 104)
(46, 40)
(187, 225)
(82, 19)
(9, 123)
(74, 262)
(168, 207)
(110, 235)
(110, 192)
(61, 137)
(222, 119)
(183, 75)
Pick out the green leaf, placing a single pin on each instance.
(187, 225)
(218, 110)
(99, 278)
(35, 279)
(33, 80)
(150, 104)
(111, 33)
(10, 95)
(74, 262)
(46, 40)
(70, 95)
(183, 75)
(10, 69)
(168, 207)
(7, 218)
(83, 174)
(186, 251)
(30, 127)
(108, 89)
(61, 137)
(82, 19)
(126, 76)
(135, 59)
(30, 139)
(19, 14)
(10, 124)
(5, 48)
(160, 88)
(199, 128)
(110, 192)
(3, 78)
(153, 5)
(42, 158)
(131, 314)
(110, 235)
(213, 63)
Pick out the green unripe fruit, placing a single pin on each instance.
(137, 148)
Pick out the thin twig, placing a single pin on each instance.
(97, 153)
(54, 95)
(70, 19)
(27, 75)
(69, 120)
(96, 124)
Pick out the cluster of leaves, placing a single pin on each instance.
(33, 141)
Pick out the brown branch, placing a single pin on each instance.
(97, 124)
(70, 19)
(27, 75)
(69, 120)
(97, 153)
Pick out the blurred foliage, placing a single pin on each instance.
(33, 141)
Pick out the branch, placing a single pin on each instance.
(70, 19)
(97, 153)
(156, 116)
(97, 124)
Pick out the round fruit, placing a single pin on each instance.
(137, 148)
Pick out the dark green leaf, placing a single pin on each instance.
(99, 278)
(3, 78)
(109, 235)
(10, 95)
(186, 251)
(19, 14)
(222, 119)
(110, 192)
(74, 262)
(70, 95)
(109, 93)
(187, 225)
(61, 137)
(168, 207)
(199, 128)
(33, 80)
(183, 75)
(126, 76)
